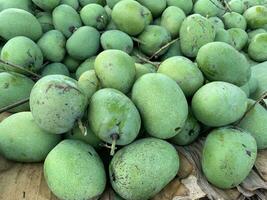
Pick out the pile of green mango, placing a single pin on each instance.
(103, 90)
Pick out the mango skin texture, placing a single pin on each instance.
(23, 141)
(158, 98)
(74, 171)
(56, 103)
(228, 156)
(141, 169)
(18, 22)
(14, 87)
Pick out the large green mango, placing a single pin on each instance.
(158, 98)
(256, 16)
(140, 170)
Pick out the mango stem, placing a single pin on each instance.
(114, 138)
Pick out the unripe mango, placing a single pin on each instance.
(88, 64)
(21, 4)
(55, 68)
(46, 5)
(256, 16)
(46, 21)
(185, 5)
(156, 7)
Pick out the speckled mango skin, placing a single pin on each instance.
(18, 22)
(14, 87)
(23, 52)
(221, 62)
(133, 21)
(23, 141)
(195, 32)
(141, 169)
(158, 98)
(111, 112)
(56, 103)
(228, 156)
(52, 44)
(74, 171)
(219, 103)
(115, 69)
(255, 122)
(20, 4)
(66, 19)
(256, 16)
(257, 49)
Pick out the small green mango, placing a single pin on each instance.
(94, 15)
(156, 7)
(253, 33)
(217, 23)
(23, 52)
(234, 20)
(153, 38)
(208, 8)
(195, 32)
(71, 63)
(55, 68)
(20, 4)
(172, 19)
(185, 5)
(74, 171)
(257, 48)
(219, 104)
(83, 43)
(239, 38)
(66, 19)
(158, 97)
(256, 16)
(223, 36)
(142, 69)
(115, 39)
(56, 102)
(88, 64)
(237, 6)
(115, 69)
(86, 2)
(228, 157)
(181, 69)
(52, 44)
(140, 170)
(13, 88)
(46, 21)
(221, 62)
(112, 113)
(18, 22)
(133, 21)
(73, 3)
(23, 141)
(46, 5)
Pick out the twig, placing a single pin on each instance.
(163, 48)
(137, 40)
(8, 107)
(82, 128)
(227, 5)
(20, 68)
(146, 60)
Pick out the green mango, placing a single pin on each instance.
(83, 43)
(94, 15)
(237, 6)
(87, 65)
(115, 39)
(195, 32)
(250, 61)
(245, 89)
(217, 23)
(56, 102)
(115, 69)
(256, 16)
(66, 19)
(23, 141)
(18, 22)
(13, 88)
(112, 3)
(219, 61)
(185, 5)
(219, 103)
(74, 171)
(228, 157)
(89, 83)
(71, 63)
(112, 114)
(20, 4)
(133, 21)
(234, 20)
(188, 133)
(111, 26)
(158, 97)
(153, 38)
(208, 8)
(253, 33)
(90, 138)
(253, 84)
(172, 19)
(148, 16)
(140, 170)
(52, 44)
(239, 38)
(23, 52)
(174, 50)
(55, 68)
(257, 48)
(156, 7)
(73, 3)
(142, 69)
(86, 2)
(223, 36)
(46, 5)
(46, 21)
(181, 69)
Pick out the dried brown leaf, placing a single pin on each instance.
(4, 116)
(261, 164)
